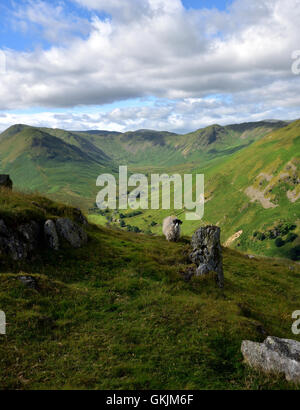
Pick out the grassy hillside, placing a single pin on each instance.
(117, 313)
(253, 192)
(62, 165)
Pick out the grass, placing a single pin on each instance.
(117, 314)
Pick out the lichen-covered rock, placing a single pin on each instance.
(207, 252)
(274, 355)
(71, 232)
(50, 234)
(5, 181)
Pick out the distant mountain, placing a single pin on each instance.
(159, 148)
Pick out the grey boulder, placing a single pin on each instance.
(71, 232)
(274, 355)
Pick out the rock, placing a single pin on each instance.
(20, 242)
(274, 355)
(3, 229)
(207, 252)
(28, 281)
(13, 247)
(50, 234)
(30, 232)
(10, 243)
(251, 256)
(71, 232)
(79, 217)
(5, 181)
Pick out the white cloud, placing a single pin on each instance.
(180, 116)
(157, 48)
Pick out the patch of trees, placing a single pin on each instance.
(133, 229)
(277, 232)
(130, 214)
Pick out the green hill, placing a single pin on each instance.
(55, 162)
(117, 313)
(164, 149)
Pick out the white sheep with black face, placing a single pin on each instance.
(171, 228)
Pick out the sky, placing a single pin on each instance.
(158, 64)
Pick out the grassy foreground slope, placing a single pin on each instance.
(117, 313)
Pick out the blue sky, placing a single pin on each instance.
(12, 36)
(149, 65)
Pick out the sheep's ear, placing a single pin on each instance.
(179, 221)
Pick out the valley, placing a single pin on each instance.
(251, 174)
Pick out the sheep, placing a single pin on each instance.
(171, 228)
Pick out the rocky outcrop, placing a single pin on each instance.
(71, 232)
(207, 252)
(5, 181)
(274, 355)
(19, 243)
(79, 217)
(50, 234)
(23, 241)
(30, 232)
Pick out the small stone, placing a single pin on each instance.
(28, 281)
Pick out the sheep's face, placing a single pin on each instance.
(177, 223)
